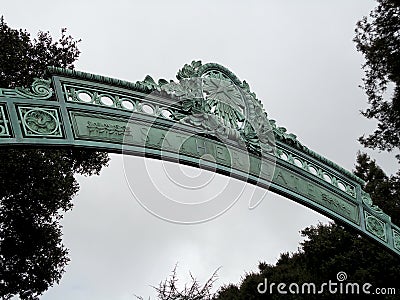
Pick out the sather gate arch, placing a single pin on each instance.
(207, 111)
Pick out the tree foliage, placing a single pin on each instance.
(378, 39)
(22, 58)
(37, 185)
(169, 290)
(326, 251)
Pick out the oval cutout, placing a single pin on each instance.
(106, 101)
(327, 178)
(341, 186)
(85, 97)
(283, 156)
(126, 104)
(298, 163)
(313, 170)
(166, 114)
(148, 109)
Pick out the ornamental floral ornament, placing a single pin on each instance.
(196, 108)
(40, 122)
(224, 99)
(210, 94)
(189, 71)
(375, 226)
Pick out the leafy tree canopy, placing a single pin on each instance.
(37, 185)
(378, 39)
(326, 251)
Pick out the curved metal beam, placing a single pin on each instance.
(169, 121)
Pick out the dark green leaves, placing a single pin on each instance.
(378, 39)
(36, 185)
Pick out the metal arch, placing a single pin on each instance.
(77, 109)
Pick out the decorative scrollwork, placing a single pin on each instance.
(41, 90)
(366, 199)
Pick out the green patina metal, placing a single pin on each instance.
(172, 121)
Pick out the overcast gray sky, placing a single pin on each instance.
(297, 56)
